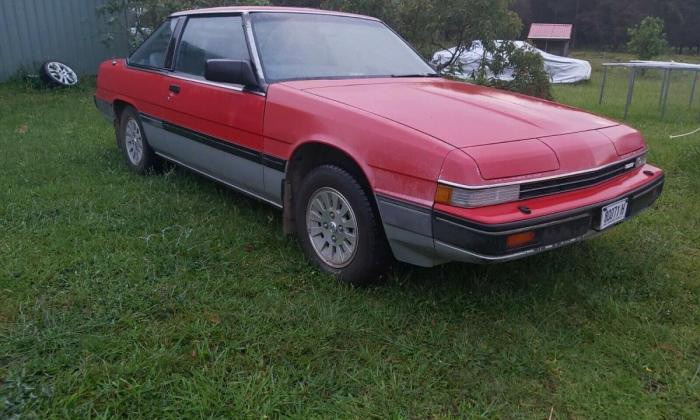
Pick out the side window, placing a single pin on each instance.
(153, 51)
(208, 38)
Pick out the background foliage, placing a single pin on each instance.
(603, 23)
(529, 75)
(432, 25)
(597, 23)
(647, 39)
(429, 25)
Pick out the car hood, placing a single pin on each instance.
(461, 114)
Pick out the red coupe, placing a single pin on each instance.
(336, 120)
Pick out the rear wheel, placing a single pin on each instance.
(337, 226)
(133, 144)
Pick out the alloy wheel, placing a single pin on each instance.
(61, 73)
(134, 142)
(332, 227)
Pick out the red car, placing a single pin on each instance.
(337, 121)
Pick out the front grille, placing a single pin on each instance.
(574, 182)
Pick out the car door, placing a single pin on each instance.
(143, 82)
(215, 128)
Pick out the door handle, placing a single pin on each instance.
(174, 89)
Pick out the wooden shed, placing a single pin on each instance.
(554, 38)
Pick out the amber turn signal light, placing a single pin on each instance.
(520, 239)
(443, 195)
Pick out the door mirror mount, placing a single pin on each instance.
(238, 72)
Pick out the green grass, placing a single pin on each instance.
(169, 296)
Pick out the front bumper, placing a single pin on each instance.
(462, 240)
(431, 236)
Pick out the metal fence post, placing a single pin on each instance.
(602, 86)
(630, 88)
(665, 98)
(692, 91)
(664, 85)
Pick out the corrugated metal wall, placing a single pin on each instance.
(33, 31)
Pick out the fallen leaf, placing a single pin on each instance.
(671, 349)
(214, 318)
(22, 129)
(654, 385)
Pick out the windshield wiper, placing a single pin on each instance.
(416, 75)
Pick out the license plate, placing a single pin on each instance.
(613, 213)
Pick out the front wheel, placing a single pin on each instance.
(338, 227)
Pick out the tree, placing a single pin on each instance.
(526, 67)
(429, 25)
(604, 23)
(454, 25)
(143, 16)
(647, 39)
(439, 25)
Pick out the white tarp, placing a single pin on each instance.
(560, 69)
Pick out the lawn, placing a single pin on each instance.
(170, 296)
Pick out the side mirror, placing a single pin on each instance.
(239, 72)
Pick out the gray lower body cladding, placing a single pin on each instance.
(243, 169)
(409, 229)
(105, 108)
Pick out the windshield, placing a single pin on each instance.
(296, 46)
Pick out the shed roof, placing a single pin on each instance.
(550, 31)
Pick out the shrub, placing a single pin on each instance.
(529, 75)
(647, 39)
(526, 67)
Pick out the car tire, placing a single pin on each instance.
(54, 73)
(338, 227)
(133, 143)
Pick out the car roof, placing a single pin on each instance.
(269, 9)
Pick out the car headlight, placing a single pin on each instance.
(461, 197)
(640, 161)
